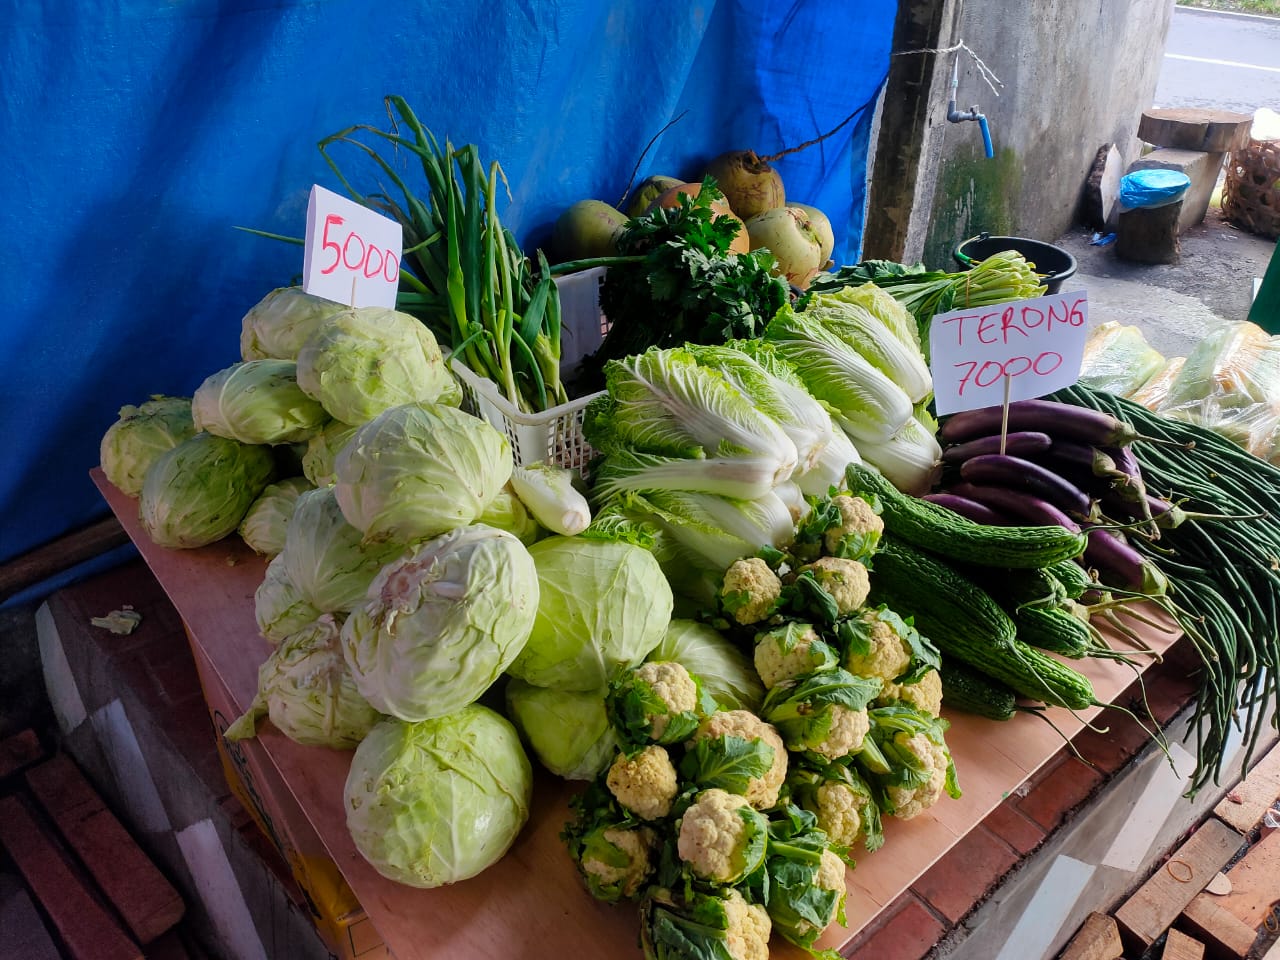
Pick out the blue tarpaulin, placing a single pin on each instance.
(139, 134)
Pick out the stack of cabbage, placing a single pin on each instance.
(731, 817)
(393, 602)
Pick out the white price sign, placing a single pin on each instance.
(1037, 344)
(352, 253)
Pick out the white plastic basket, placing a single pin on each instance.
(555, 435)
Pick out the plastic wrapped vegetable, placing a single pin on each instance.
(306, 690)
(1118, 359)
(139, 436)
(1230, 383)
(1155, 391)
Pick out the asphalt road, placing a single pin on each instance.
(1220, 61)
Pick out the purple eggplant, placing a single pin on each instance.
(1119, 565)
(1023, 444)
(1020, 504)
(1059, 420)
(1022, 474)
(972, 509)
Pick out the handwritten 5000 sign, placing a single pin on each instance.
(1037, 345)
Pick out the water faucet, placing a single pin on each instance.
(958, 116)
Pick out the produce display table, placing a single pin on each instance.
(531, 904)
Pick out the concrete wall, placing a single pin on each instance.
(1076, 74)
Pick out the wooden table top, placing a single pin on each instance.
(531, 904)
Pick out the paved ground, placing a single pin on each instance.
(1220, 60)
(1212, 60)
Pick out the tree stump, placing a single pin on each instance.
(1149, 234)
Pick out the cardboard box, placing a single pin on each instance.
(339, 918)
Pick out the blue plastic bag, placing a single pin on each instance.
(1152, 188)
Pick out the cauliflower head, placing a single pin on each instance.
(830, 876)
(644, 783)
(762, 792)
(616, 861)
(704, 924)
(880, 651)
(859, 531)
(909, 802)
(750, 590)
(749, 928)
(655, 702)
(925, 694)
(722, 837)
(839, 812)
(845, 581)
(789, 651)
(846, 730)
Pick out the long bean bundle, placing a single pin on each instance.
(1228, 573)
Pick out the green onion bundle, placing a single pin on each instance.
(1227, 573)
(470, 283)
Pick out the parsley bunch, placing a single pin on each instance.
(688, 288)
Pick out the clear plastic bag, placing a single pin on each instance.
(1155, 391)
(1230, 383)
(1118, 359)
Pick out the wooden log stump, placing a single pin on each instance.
(1149, 234)
(1194, 128)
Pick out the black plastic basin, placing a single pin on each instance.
(1053, 263)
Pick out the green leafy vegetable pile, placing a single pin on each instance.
(679, 283)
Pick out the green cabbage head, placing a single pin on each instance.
(438, 801)
(279, 324)
(724, 671)
(264, 525)
(257, 401)
(603, 605)
(568, 731)
(418, 470)
(198, 492)
(367, 359)
(142, 433)
(324, 557)
(307, 691)
(442, 623)
(279, 606)
(322, 450)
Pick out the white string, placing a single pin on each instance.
(984, 71)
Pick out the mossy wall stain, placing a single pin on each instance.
(973, 194)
